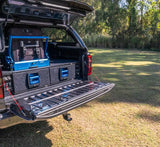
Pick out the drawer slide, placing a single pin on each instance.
(59, 100)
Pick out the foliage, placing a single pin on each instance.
(126, 23)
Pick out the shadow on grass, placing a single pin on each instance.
(148, 115)
(26, 135)
(135, 73)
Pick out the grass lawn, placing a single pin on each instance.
(129, 115)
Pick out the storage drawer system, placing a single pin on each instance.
(26, 80)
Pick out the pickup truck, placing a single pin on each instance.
(45, 67)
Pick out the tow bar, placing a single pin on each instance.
(67, 117)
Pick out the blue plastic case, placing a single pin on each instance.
(22, 65)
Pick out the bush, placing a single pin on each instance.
(99, 41)
(105, 41)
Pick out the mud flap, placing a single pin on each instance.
(59, 100)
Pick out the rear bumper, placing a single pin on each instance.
(9, 119)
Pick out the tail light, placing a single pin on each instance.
(89, 64)
(1, 85)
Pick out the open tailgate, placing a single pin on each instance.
(58, 100)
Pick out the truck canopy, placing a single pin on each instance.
(57, 11)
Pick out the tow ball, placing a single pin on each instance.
(67, 117)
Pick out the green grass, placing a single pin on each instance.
(127, 116)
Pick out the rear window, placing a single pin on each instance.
(58, 35)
